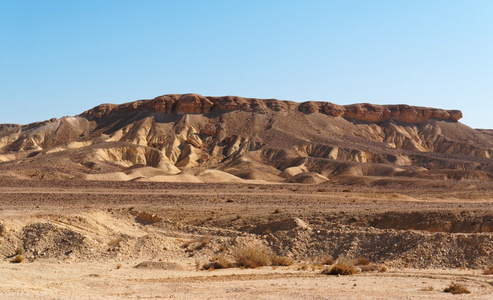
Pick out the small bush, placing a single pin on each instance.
(252, 257)
(201, 245)
(282, 260)
(220, 262)
(362, 261)
(119, 266)
(456, 288)
(368, 268)
(341, 268)
(382, 269)
(18, 259)
(488, 270)
(326, 260)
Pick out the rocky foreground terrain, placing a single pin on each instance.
(156, 198)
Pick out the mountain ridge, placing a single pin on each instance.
(195, 138)
(198, 104)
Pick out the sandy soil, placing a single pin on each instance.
(48, 218)
(52, 280)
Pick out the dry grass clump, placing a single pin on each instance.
(18, 259)
(219, 262)
(202, 242)
(282, 260)
(382, 269)
(342, 267)
(249, 256)
(326, 260)
(362, 261)
(488, 270)
(456, 288)
(367, 266)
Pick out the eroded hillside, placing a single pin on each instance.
(215, 139)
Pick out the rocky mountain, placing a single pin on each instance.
(230, 139)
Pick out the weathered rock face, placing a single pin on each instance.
(197, 104)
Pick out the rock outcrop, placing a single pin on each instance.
(197, 104)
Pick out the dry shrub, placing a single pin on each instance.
(343, 267)
(219, 262)
(202, 242)
(362, 261)
(282, 260)
(488, 270)
(369, 268)
(18, 259)
(456, 288)
(382, 269)
(249, 256)
(326, 260)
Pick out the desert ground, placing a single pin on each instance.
(147, 240)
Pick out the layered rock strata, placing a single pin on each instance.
(197, 104)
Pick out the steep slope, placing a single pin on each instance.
(180, 137)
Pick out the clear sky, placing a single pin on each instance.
(63, 57)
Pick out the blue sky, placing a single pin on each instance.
(62, 57)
